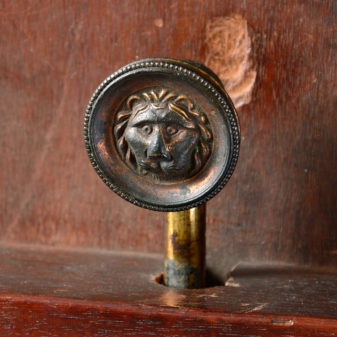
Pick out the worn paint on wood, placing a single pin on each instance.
(228, 48)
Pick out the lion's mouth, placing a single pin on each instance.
(158, 166)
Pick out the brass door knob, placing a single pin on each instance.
(164, 135)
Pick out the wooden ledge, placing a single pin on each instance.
(55, 292)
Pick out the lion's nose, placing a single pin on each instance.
(157, 148)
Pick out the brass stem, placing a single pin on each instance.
(185, 248)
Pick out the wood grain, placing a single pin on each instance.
(53, 292)
(280, 204)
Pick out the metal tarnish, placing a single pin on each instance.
(184, 265)
(163, 134)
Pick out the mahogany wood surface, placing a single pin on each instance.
(54, 292)
(280, 205)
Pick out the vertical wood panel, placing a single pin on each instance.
(280, 203)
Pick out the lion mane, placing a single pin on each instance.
(163, 99)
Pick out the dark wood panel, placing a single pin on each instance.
(281, 202)
(53, 292)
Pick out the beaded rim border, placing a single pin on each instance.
(221, 98)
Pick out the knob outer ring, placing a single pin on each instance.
(196, 73)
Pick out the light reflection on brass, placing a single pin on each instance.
(185, 248)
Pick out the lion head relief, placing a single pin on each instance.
(162, 134)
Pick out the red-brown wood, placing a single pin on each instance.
(53, 292)
(55, 317)
(280, 205)
(53, 56)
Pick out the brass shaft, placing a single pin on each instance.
(185, 248)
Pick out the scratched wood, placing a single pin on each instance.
(280, 204)
(53, 292)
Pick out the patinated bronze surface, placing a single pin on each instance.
(163, 134)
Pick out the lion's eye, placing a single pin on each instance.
(147, 129)
(171, 130)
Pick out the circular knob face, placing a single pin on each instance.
(163, 134)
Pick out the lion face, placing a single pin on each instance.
(162, 142)
(162, 137)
